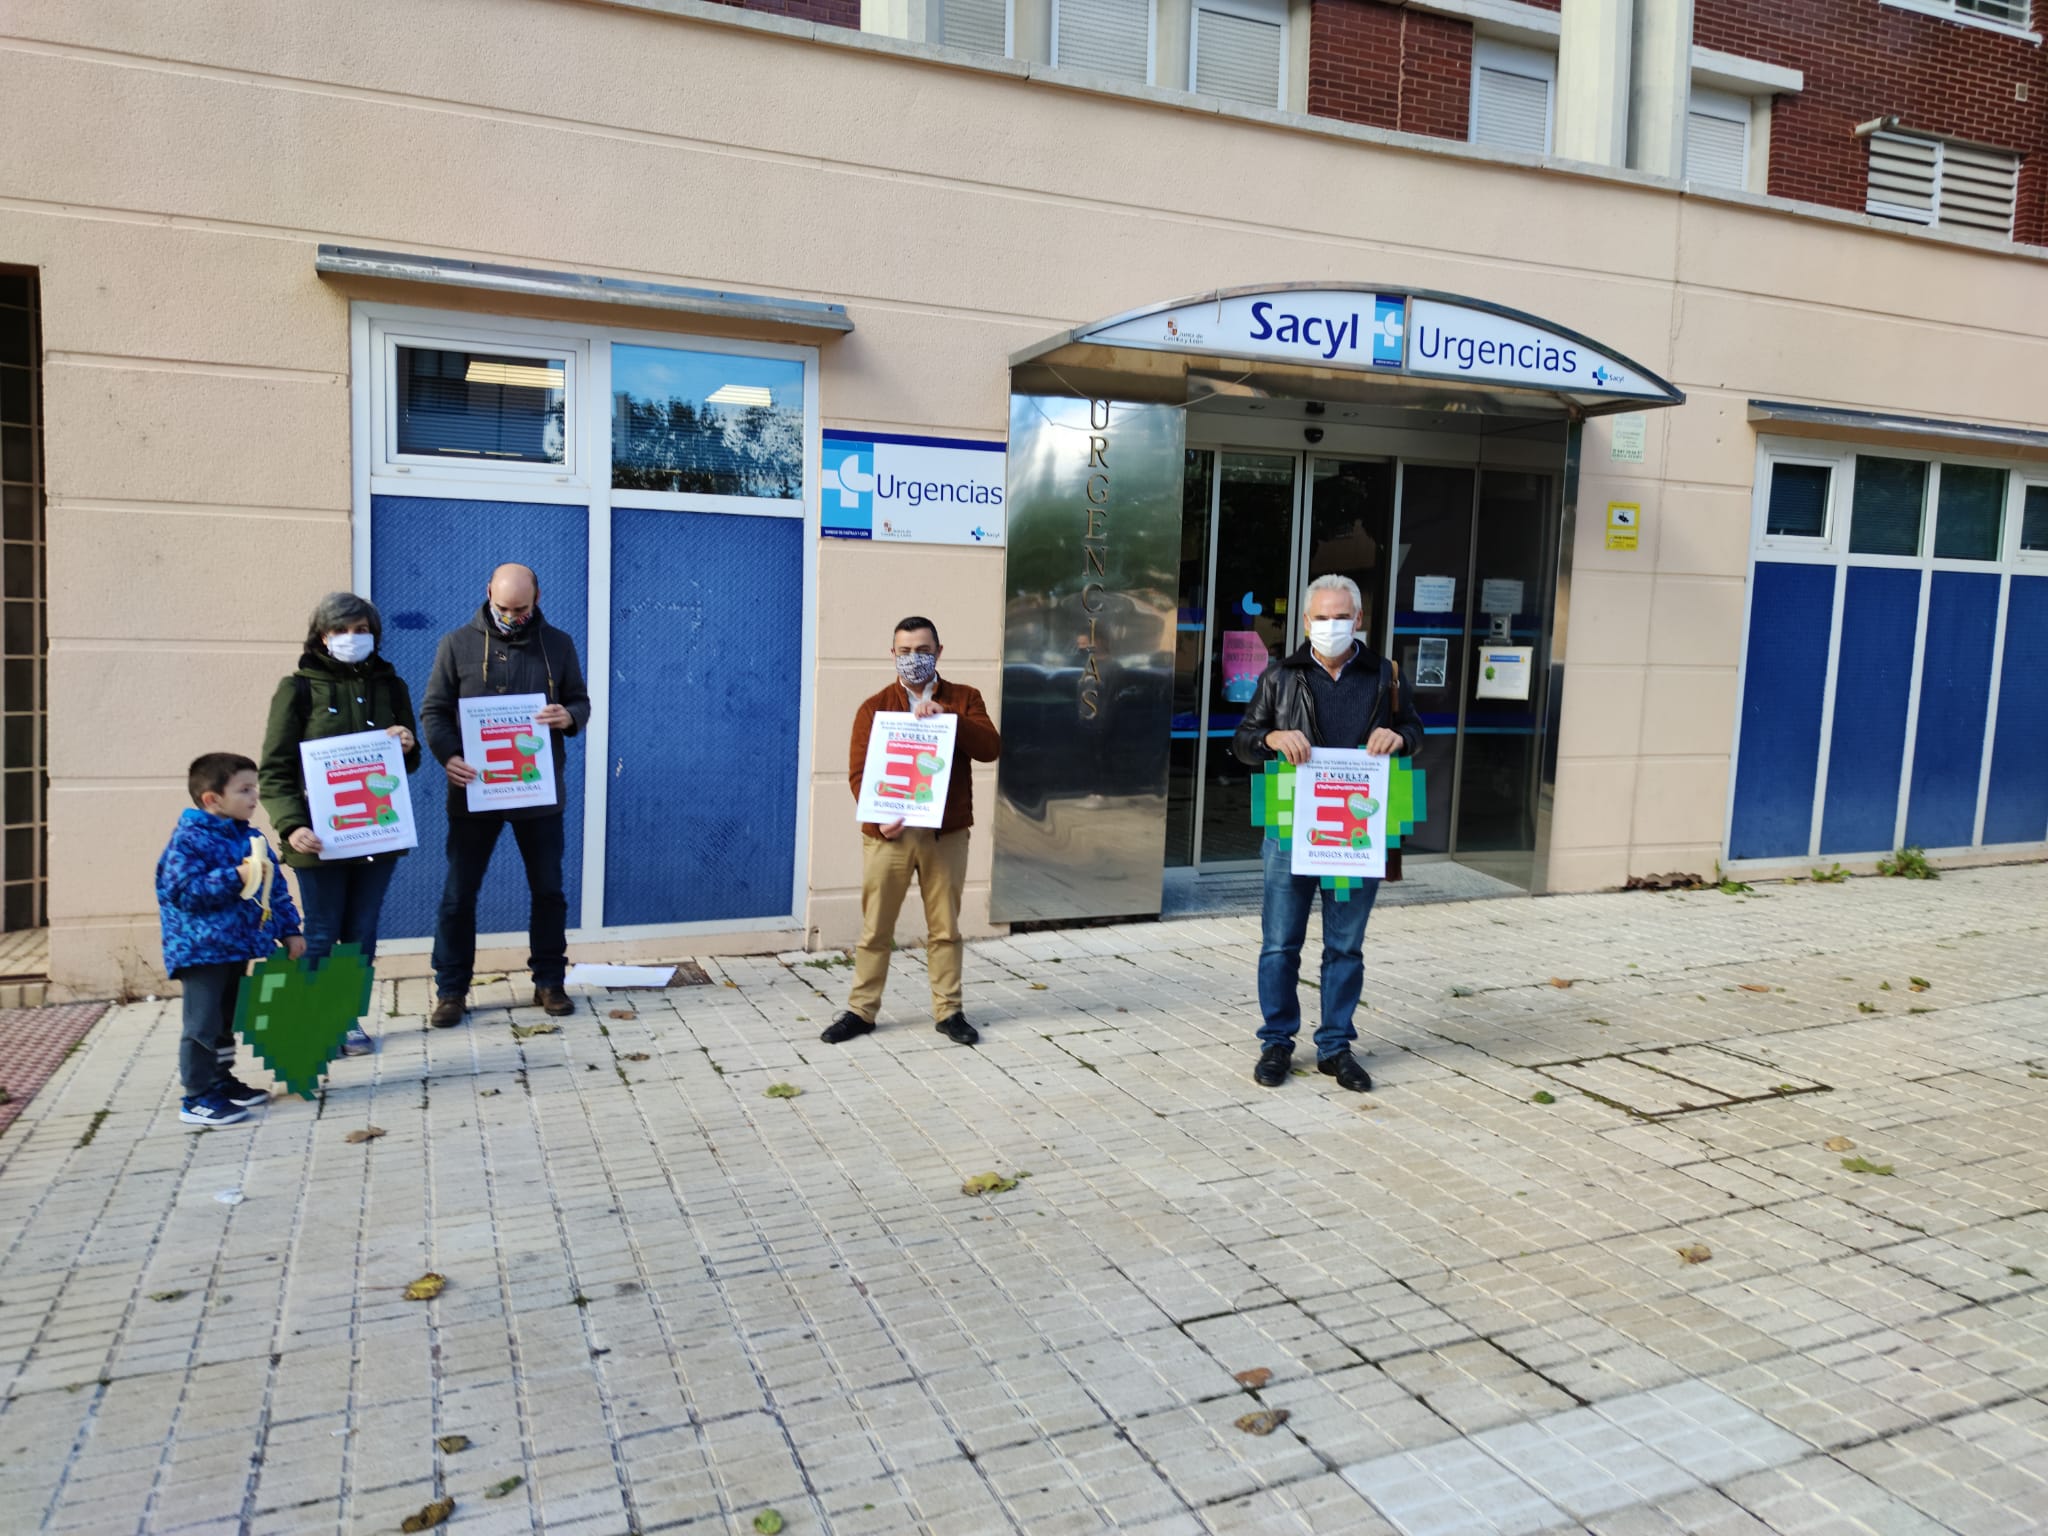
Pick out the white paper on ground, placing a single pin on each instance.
(619, 976)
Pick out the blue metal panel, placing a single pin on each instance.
(429, 562)
(1873, 682)
(707, 663)
(1955, 695)
(2016, 806)
(1791, 611)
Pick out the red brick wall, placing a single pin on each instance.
(1863, 60)
(1389, 67)
(837, 13)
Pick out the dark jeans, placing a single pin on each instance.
(1284, 920)
(339, 904)
(206, 1054)
(470, 841)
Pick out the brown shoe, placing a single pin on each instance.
(554, 1000)
(448, 1011)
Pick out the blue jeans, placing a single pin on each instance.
(471, 840)
(339, 904)
(1284, 924)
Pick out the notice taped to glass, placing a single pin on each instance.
(909, 766)
(510, 751)
(1340, 814)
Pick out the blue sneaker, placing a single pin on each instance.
(211, 1108)
(240, 1094)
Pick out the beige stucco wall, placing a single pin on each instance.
(170, 170)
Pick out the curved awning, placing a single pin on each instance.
(1461, 352)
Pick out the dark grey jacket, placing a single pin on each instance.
(1286, 702)
(475, 662)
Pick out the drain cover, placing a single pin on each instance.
(1678, 1080)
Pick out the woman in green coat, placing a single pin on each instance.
(341, 687)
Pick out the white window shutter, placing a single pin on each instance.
(1237, 57)
(1511, 111)
(1716, 150)
(1903, 172)
(977, 24)
(1978, 187)
(1111, 37)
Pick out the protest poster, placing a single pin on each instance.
(1340, 814)
(910, 763)
(357, 795)
(509, 750)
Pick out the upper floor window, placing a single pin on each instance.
(1238, 51)
(2000, 13)
(983, 25)
(1717, 139)
(1111, 37)
(1926, 180)
(1512, 89)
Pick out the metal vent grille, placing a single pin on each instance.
(1937, 181)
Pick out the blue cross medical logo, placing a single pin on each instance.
(1389, 331)
(848, 503)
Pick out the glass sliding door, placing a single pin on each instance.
(1350, 526)
(1431, 637)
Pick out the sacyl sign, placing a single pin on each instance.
(1359, 330)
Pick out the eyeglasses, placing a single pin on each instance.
(917, 650)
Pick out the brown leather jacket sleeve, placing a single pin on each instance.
(857, 754)
(977, 734)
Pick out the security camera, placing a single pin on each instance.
(1313, 434)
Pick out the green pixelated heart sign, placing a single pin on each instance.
(295, 1017)
(1273, 808)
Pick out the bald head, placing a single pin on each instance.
(514, 593)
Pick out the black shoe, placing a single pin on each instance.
(554, 1001)
(847, 1026)
(957, 1030)
(1345, 1068)
(1273, 1066)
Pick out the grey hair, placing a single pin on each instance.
(337, 609)
(1336, 583)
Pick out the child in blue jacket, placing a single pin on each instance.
(221, 894)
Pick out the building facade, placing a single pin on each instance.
(721, 318)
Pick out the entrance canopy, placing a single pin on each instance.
(1409, 348)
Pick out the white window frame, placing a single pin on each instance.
(1760, 534)
(1946, 10)
(1151, 41)
(1508, 58)
(2016, 513)
(1269, 11)
(373, 327)
(1729, 108)
(485, 340)
(1009, 29)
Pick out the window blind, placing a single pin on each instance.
(1716, 150)
(1237, 57)
(977, 24)
(2012, 12)
(1110, 37)
(1511, 111)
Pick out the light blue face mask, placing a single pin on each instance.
(916, 669)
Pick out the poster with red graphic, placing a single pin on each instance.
(357, 794)
(1340, 814)
(910, 763)
(509, 750)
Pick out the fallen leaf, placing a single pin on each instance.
(622, 1013)
(528, 1031)
(1865, 1165)
(367, 1133)
(768, 1522)
(430, 1515)
(987, 1184)
(453, 1443)
(1754, 986)
(1561, 982)
(634, 1056)
(1696, 1253)
(1038, 986)
(1866, 1007)
(1918, 983)
(499, 1490)
(781, 1091)
(1542, 1096)
(426, 1288)
(168, 1295)
(1255, 1378)
(733, 984)
(1264, 1422)
(489, 1093)
(1839, 1144)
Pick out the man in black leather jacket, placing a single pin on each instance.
(1334, 691)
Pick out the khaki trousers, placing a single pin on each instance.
(887, 864)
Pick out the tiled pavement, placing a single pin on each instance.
(673, 1302)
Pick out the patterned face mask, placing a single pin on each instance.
(508, 625)
(916, 669)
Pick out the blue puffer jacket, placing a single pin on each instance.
(207, 920)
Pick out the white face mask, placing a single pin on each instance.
(350, 649)
(1331, 637)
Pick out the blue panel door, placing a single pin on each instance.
(1955, 698)
(706, 722)
(1791, 611)
(1873, 681)
(429, 563)
(2016, 803)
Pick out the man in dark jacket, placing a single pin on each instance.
(1332, 692)
(506, 648)
(892, 853)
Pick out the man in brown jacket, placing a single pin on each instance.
(891, 852)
